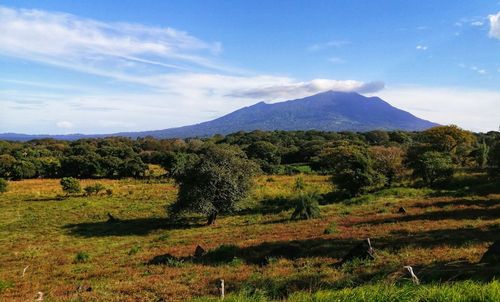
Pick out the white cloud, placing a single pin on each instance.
(336, 60)
(48, 36)
(494, 25)
(326, 45)
(300, 89)
(476, 110)
(64, 124)
(478, 70)
(477, 23)
(422, 47)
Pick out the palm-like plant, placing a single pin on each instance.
(306, 206)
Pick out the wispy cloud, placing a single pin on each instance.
(329, 44)
(336, 60)
(494, 25)
(76, 42)
(474, 68)
(422, 47)
(288, 90)
(177, 72)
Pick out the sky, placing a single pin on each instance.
(111, 66)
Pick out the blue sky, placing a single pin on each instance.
(109, 66)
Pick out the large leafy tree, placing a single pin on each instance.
(494, 158)
(213, 184)
(434, 167)
(265, 153)
(389, 162)
(353, 169)
(450, 139)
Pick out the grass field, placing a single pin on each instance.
(72, 253)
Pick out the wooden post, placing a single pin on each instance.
(24, 271)
(40, 297)
(221, 287)
(413, 276)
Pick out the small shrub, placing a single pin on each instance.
(331, 229)
(306, 206)
(299, 184)
(134, 250)
(236, 262)
(70, 185)
(109, 192)
(94, 189)
(163, 237)
(3, 185)
(82, 257)
(5, 285)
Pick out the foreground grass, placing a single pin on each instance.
(74, 254)
(454, 292)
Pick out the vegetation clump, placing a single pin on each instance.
(213, 184)
(4, 185)
(306, 207)
(94, 189)
(70, 185)
(82, 257)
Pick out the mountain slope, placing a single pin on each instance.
(327, 111)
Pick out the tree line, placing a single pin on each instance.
(374, 157)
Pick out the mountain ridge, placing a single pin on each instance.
(325, 111)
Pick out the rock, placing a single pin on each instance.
(361, 251)
(111, 218)
(199, 252)
(492, 255)
(402, 210)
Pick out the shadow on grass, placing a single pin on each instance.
(269, 206)
(485, 203)
(486, 213)
(457, 271)
(475, 185)
(334, 248)
(48, 198)
(139, 226)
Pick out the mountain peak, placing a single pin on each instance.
(326, 111)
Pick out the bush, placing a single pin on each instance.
(215, 183)
(306, 206)
(3, 185)
(82, 257)
(70, 185)
(94, 189)
(331, 229)
(353, 171)
(434, 167)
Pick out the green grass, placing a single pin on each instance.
(452, 292)
(258, 251)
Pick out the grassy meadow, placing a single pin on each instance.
(70, 252)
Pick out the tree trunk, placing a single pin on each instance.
(211, 218)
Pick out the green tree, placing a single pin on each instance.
(353, 169)
(3, 185)
(388, 161)
(265, 153)
(70, 185)
(494, 158)
(452, 140)
(23, 169)
(214, 184)
(7, 161)
(434, 167)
